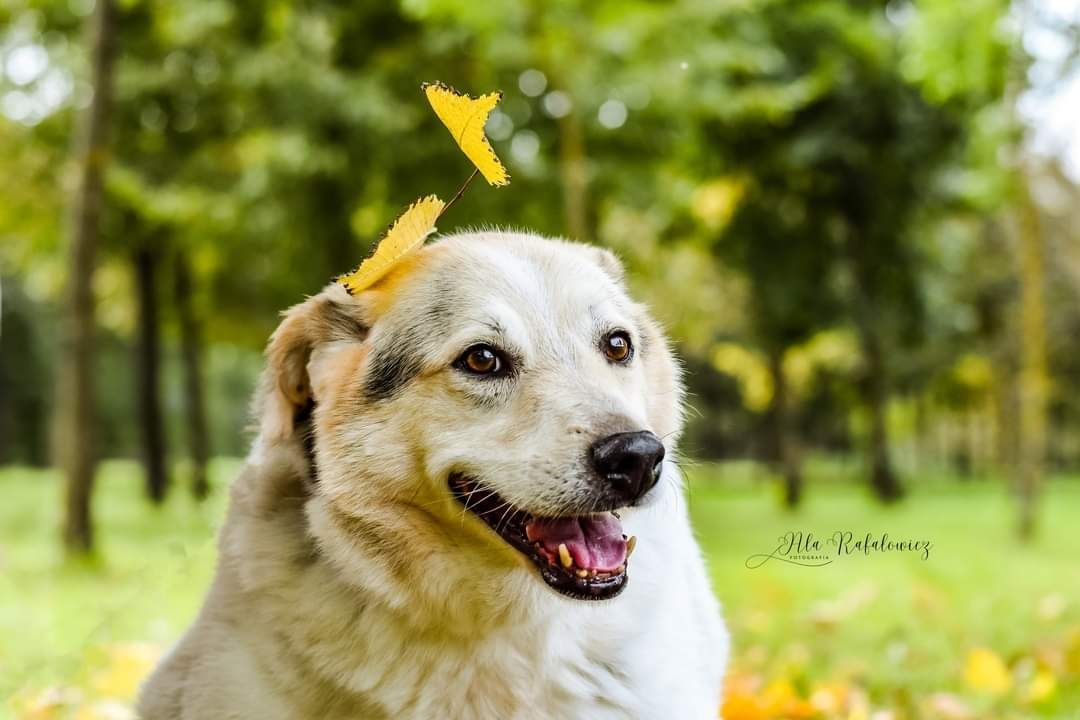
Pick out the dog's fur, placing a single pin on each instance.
(351, 584)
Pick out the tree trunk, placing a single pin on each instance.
(1033, 380)
(79, 410)
(875, 385)
(191, 358)
(784, 450)
(148, 373)
(883, 479)
(575, 177)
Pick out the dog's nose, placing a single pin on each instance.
(630, 461)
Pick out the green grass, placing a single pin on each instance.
(895, 624)
(891, 625)
(59, 619)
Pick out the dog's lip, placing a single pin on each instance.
(510, 524)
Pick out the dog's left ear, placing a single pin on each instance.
(609, 262)
(285, 395)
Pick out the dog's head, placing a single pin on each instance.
(490, 407)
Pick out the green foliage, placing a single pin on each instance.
(768, 170)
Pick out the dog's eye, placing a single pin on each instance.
(482, 360)
(617, 347)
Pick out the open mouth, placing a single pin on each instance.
(582, 557)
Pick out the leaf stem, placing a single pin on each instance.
(460, 192)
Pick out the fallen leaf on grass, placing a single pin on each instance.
(1041, 688)
(741, 700)
(781, 700)
(985, 671)
(125, 668)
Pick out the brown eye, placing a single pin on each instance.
(617, 347)
(481, 360)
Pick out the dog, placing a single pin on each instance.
(462, 502)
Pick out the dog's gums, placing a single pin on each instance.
(581, 557)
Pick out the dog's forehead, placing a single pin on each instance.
(491, 276)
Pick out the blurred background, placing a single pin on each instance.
(859, 220)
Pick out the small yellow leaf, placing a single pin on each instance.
(465, 118)
(780, 699)
(1042, 687)
(741, 700)
(984, 670)
(404, 236)
(740, 706)
(126, 666)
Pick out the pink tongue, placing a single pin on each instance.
(595, 542)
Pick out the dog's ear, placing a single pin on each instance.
(285, 395)
(609, 262)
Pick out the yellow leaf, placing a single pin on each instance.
(465, 118)
(741, 701)
(125, 667)
(404, 236)
(740, 706)
(1042, 687)
(780, 699)
(984, 670)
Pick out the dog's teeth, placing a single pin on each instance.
(592, 573)
(620, 569)
(603, 575)
(564, 556)
(631, 543)
(582, 573)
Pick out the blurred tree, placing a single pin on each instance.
(779, 241)
(775, 175)
(24, 379)
(1033, 380)
(817, 102)
(78, 386)
(146, 262)
(191, 354)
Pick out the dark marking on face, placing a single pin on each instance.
(398, 358)
(393, 365)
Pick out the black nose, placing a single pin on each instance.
(630, 461)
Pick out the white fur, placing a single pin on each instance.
(368, 592)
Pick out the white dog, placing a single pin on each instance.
(437, 518)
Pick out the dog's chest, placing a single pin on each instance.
(527, 674)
